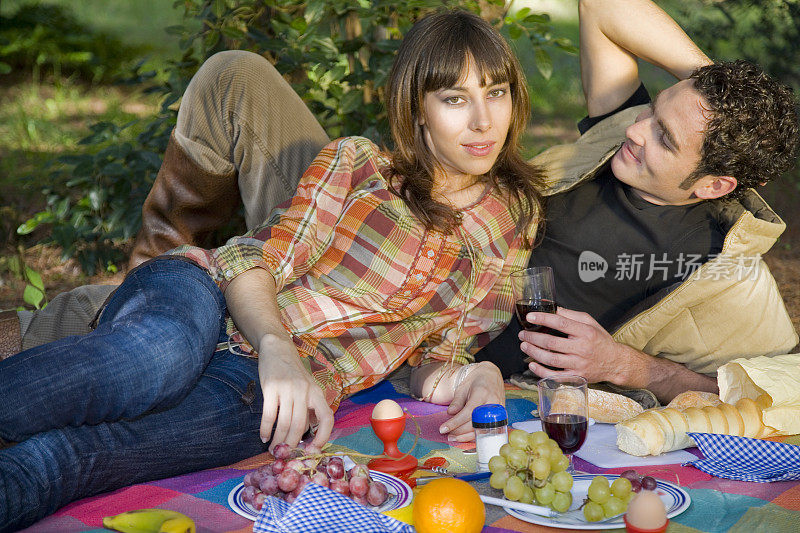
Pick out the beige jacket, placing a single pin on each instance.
(730, 307)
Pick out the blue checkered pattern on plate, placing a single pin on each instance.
(321, 510)
(746, 459)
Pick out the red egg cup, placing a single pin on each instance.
(389, 431)
(633, 529)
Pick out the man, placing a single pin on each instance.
(659, 194)
(621, 231)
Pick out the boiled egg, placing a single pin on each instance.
(386, 409)
(646, 511)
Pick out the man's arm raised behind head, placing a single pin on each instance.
(613, 33)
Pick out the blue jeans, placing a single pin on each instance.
(144, 396)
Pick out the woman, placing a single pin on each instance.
(376, 260)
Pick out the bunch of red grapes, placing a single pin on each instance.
(292, 470)
(639, 482)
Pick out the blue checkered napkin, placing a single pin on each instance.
(321, 510)
(746, 459)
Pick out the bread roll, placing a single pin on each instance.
(657, 431)
(693, 398)
(609, 408)
(605, 407)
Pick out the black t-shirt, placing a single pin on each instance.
(611, 250)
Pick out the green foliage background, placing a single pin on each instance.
(336, 54)
(766, 32)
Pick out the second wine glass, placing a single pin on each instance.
(564, 411)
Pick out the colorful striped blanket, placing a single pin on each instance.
(717, 504)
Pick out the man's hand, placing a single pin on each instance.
(483, 385)
(588, 351)
(292, 399)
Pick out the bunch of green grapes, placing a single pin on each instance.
(532, 469)
(607, 500)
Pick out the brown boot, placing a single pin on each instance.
(185, 206)
(10, 334)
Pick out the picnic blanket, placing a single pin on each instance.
(717, 504)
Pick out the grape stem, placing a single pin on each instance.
(320, 456)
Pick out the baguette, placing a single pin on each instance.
(680, 425)
(664, 424)
(697, 420)
(719, 422)
(657, 431)
(734, 419)
(751, 416)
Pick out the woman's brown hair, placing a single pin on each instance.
(434, 55)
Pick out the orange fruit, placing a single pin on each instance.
(448, 505)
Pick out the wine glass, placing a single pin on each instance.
(564, 411)
(534, 291)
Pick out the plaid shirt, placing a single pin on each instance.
(362, 285)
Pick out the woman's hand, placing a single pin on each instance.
(292, 399)
(483, 384)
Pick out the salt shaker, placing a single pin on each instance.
(490, 422)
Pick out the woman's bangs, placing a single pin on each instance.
(447, 61)
(493, 64)
(444, 68)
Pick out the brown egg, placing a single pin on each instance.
(386, 409)
(646, 511)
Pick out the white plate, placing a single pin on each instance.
(399, 496)
(676, 500)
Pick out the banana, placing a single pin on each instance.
(404, 514)
(180, 524)
(150, 521)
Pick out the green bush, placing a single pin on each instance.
(47, 39)
(766, 32)
(336, 54)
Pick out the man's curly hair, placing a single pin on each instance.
(752, 131)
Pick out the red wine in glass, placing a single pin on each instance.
(533, 306)
(536, 306)
(569, 431)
